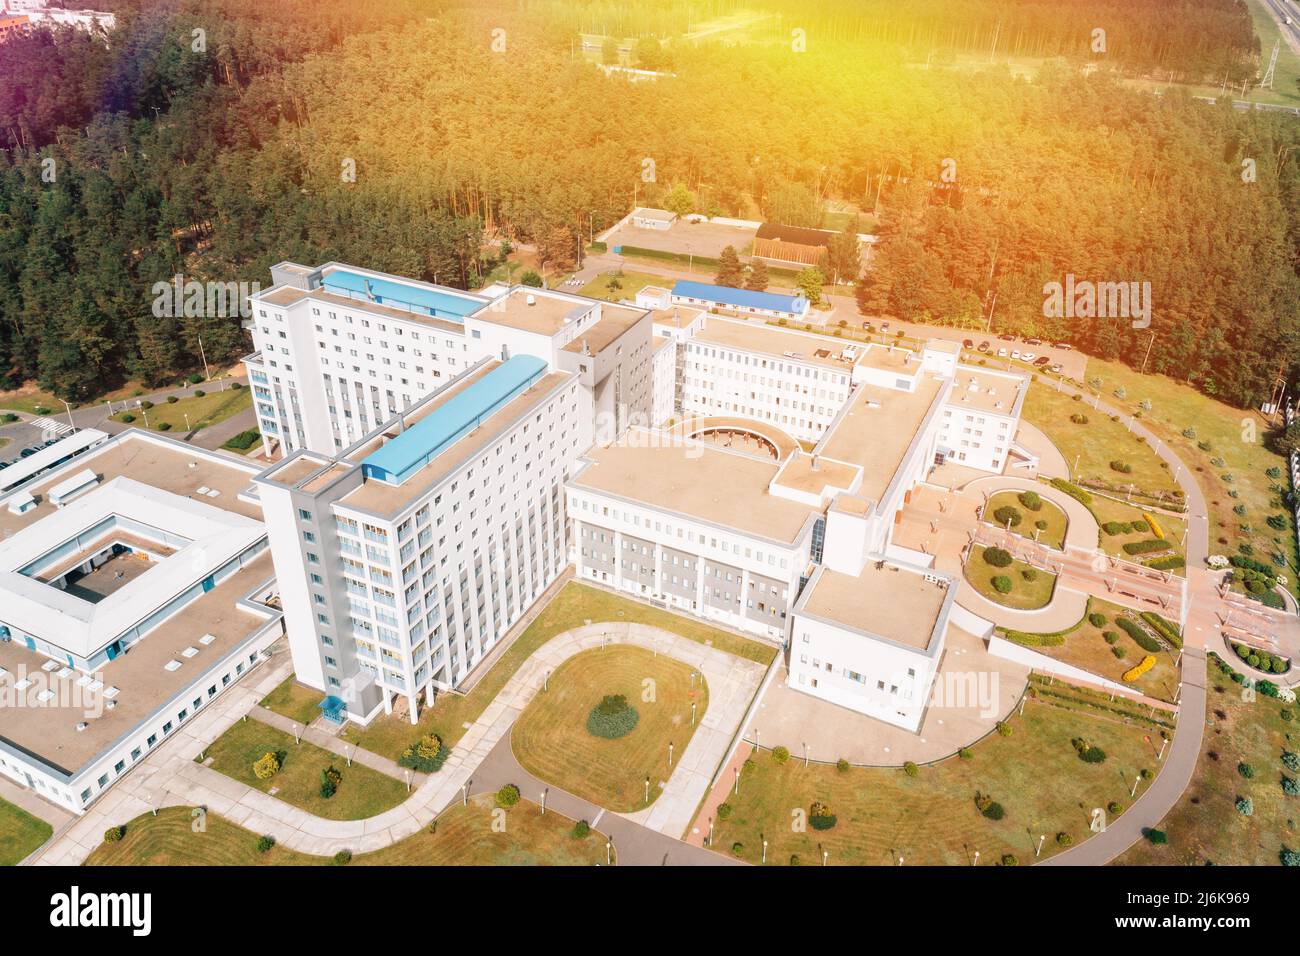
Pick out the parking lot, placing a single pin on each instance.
(1073, 362)
(686, 238)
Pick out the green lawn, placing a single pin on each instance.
(575, 605)
(1052, 534)
(629, 284)
(295, 701)
(202, 411)
(1025, 595)
(1085, 646)
(363, 792)
(551, 741)
(1235, 437)
(20, 833)
(1097, 443)
(29, 399)
(464, 836)
(931, 819)
(1205, 826)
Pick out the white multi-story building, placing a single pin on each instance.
(403, 559)
(135, 587)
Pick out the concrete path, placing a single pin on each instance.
(171, 777)
(634, 844)
(341, 747)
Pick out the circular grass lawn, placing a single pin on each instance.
(1025, 595)
(1053, 535)
(552, 741)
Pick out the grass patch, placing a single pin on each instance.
(551, 740)
(930, 819)
(29, 398)
(362, 793)
(294, 701)
(1024, 595)
(1235, 438)
(629, 284)
(20, 833)
(1097, 443)
(203, 411)
(463, 837)
(1107, 510)
(575, 605)
(1205, 826)
(1053, 535)
(1085, 646)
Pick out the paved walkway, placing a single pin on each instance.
(634, 844)
(344, 749)
(170, 777)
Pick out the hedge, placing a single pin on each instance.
(243, 441)
(1165, 628)
(1025, 639)
(1155, 527)
(1171, 563)
(1133, 673)
(1071, 489)
(1140, 637)
(1146, 546)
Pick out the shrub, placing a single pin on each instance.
(842, 765)
(724, 811)
(1003, 728)
(612, 718)
(40, 410)
(1156, 837)
(581, 830)
(1096, 619)
(1245, 806)
(426, 755)
(342, 858)
(330, 778)
(1009, 859)
(997, 557)
(1140, 637)
(1290, 787)
(1165, 628)
(1029, 574)
(780, 755)
(264, 844)
(1087, 752)
(1040, 524)
(1291, 761)
(1119, 652)
(146, 404)
(8, 418)
(199, 393)
(820, 816)
(1031, 500)
(507, 796)
(794, 859)
(1002, 584)
(266, 766)
(1007, 515)
(965, 753)
(236, 386)
(1167, 564)
(911, 769)
(1064, 839)
(737, 848)
(994, 811)
(243, 441)
(194, 378)
(1079, 418)
(128, 418)
(1114, 807)
(172, 399)
(1246, 770)
(164, 426)
(1110, 637)
(1123, 467)
(114, 834)
(1144, 665)
(1289, 857)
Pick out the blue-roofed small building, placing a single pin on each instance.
(721, 298)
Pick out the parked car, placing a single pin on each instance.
(1033, 341)
(1028, 356)
(1065, 346)
(968, 343)
(1015, 355)
(1056, 368)
(1002, 353)
(884, 326)
(1007, 338)
(28, 452)
(866, 327)
(1041, 361)
(984, 346)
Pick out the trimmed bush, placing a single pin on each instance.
(612, 718)
(1156, 837)
(581, 830)
(780, 755)
(172, 399)
(243, 441)
(264, 844)
(997, 557)
(128, 418)
(1003, 728)
(507, 796)
(821, 817)
(1245, 806)
(1029, 574)
(1133, 673)
(266, 766)
(1096, 619)
(911, 769)
(1145, 546)
(724, 811)
(330, 778)
(342, 858)
(1031, 500)
(1246, 770)
(426, 755)
(1140, 637)
(842, 765)
(1002, 584)
(114, 834)
(164, 426)
(1071, 489)
(1009, 859)
(1007, 516)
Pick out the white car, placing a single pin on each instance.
(1002, 353)
(1015, 355)
(1028, 356)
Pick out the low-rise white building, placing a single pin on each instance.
(134, 589)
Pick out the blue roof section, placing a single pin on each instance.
(423, 441)
(417, 298)
(741, 298)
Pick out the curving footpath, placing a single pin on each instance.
(170, 777)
